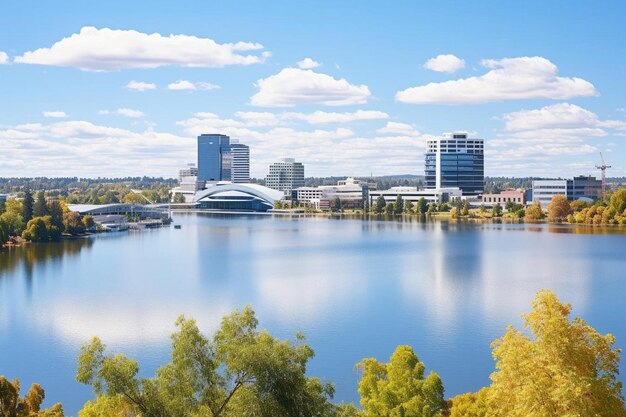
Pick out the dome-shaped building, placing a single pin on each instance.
(226, 196)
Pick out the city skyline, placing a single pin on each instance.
(82, 101)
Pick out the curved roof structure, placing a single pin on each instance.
(226, 190)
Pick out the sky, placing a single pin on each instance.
(122, 88)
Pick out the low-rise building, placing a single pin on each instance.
(506, 196)
(351, 192)
(580, 187)
(413, 194)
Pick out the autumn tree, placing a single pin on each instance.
(534, 212)
(72, 223)
(11, 405)
(564, 368)
(558, 209)
(465, 208)
(240, 371)
(399, 388)
(618, 201)
(471, 404)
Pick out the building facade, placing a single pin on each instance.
(228, 196)
(413, 195)
(580, 187)
(214, 157)
(240, 168)
(507, 196)
(351, 192)
(191, 170)
(285, 175)
(454, 160)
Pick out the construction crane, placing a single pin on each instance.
(602, 169)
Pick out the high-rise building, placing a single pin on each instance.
(454, 160)
(285, 175)
(240, 170)
(214, 157)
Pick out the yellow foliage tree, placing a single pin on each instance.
(471, 404)
(558, 209)
(534, 212)
(566, 369)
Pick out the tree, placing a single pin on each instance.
(40, 208)
(379, 206)
(36, 230)
(466, 208)
(482, 210)
(72, 223)
(618, 200)
(422, 205)
(240, 371)
(88, 222)
(11, 405)
(27, 205)
(398, 388)
(558, 209)
(56, 210)
(134, 198)
(471, 404)
(432, 208)
(409, 207)
(390, 209)
(496, 211)
(454, 213)
(3, 206)
(534, 212)
(399, 205)
(336, 205)
(12, 217)
(566, 368)
(179, 198)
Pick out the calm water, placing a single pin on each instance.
(355, 288)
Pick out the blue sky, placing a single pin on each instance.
(103, 89)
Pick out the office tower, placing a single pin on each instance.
(240, 170)
(214, 157)
(285, 175)
(454, 160)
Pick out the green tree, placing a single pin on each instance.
(399, 388)
(179, 198)
(399, 205)
(466, 208)
(565, 368)
(88, 222)
(56, 210)
(422, 205)
(379, 206)
(534, 212)
(390, 209)
(496, 211)
(240, 371)
(558, 209)
(432, 208)
(409, 207)
(3, 206)
(11, 405)
(27, 205)
(336, 205)
(40, 208)
(12, 217)
(36, 230)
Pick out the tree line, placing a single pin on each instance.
(557, 366)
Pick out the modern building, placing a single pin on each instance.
(229, 196)
(188, 183)
(506, 196)
(351, 192)
(214, 157)
(240, 168)
(455, 160)
(285, 175)
(191, 170)
(413, 194)
(580, 187)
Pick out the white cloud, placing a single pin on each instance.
(322, 117)
(507, 79)
(293, 86)
(105, 49)
(55, 114)
(558, 116)
(445, 63)
(4, 58)
(188, 85)
(123, 111)
(308, 63)
(400, 129)
(140, 86)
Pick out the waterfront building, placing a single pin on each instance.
(455, 160)
(413, 194)
(214, 157)
(188, 183)
(285, 175)
(507, 196)
(191, 170)
(240, 168)
(227, 196)
(351, 192)
(580, 187)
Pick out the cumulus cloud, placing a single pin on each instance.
(293, 86)
(445, 63)
(86, 149)
(318, 117)
(140, 86)
(308, 63)
(558, 116)
(507, 79)
(123, 111)
(105, 49)
(55, 114)
(188, 85)
(4, 58)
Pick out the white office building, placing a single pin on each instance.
(240, 168)
(350, 192)
(285, 175)
(413, 194)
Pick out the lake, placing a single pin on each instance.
(356, 288)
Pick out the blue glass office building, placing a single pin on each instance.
(214, 158)
(455, 160)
